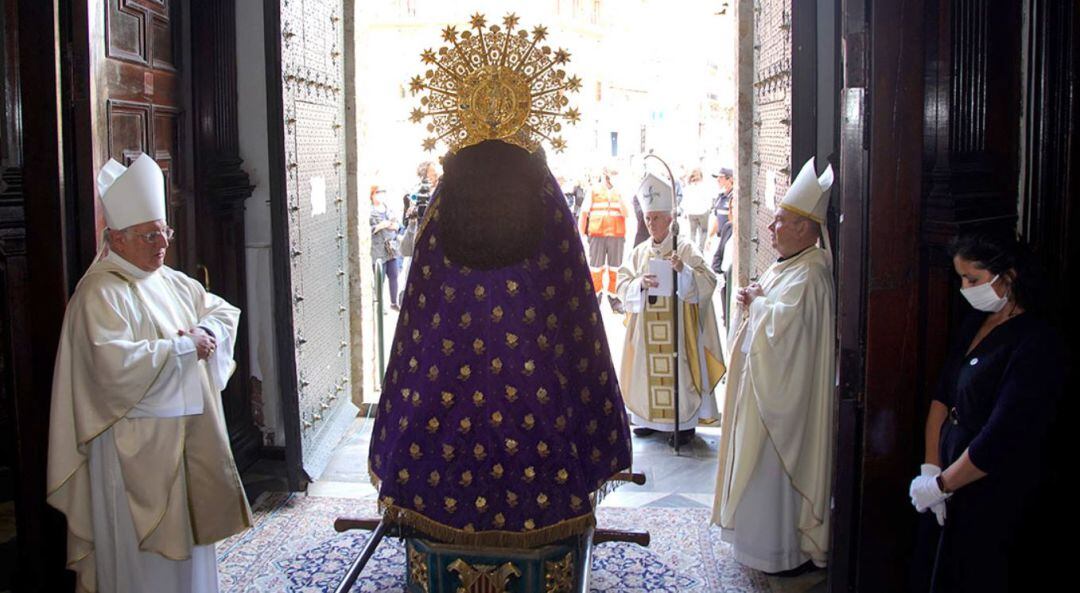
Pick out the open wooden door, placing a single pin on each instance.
(131, 99)
(306, 111)
(141, 72)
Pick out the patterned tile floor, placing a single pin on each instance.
(684, 481)
(292, 547)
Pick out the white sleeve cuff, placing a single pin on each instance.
(754, 312)
(634, 300)
(183, 346)
(178, 389)
(687, 287)
(220, 364)
(212, 326)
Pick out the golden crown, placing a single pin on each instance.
(495, 84)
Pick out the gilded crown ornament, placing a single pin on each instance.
(495, 83)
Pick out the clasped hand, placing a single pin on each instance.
(205, 344)
(747, 294)
(926, 494)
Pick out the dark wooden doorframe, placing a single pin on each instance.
(884, 295)
(221, 186)
(851, 199)
(929, 134)
(879, 184)
(35, 239)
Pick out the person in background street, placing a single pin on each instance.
(567, 192)
(721, 227)
(384, 241)
(413, 206)
(696, 205)
(579, 197)
(603, 221)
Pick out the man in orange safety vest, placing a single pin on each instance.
(603, 221)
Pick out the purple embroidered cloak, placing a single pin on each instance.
(500, 413)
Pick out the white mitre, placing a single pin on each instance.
(806, 196)
(655, 194)
(132, 195)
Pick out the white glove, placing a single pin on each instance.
(926, 469)
(931, 470)
(925, 493)
(939, 512)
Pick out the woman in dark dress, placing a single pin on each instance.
(987, 425)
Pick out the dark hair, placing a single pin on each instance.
(491, 204)
(422, 168)
(998, 254)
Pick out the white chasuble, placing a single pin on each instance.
(139, 457)
(647, 375)
(777, 430)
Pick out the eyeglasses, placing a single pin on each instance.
(151, 238)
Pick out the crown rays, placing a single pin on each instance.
(495, 82)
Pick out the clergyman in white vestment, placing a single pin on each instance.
(647, 375)
(139, 458)
(772, 494)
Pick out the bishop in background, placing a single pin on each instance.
(139, 457)
(647, 375)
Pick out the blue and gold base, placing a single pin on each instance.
(440, 568)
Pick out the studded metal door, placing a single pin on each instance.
(313, 110)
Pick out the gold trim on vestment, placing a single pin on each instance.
(84, 556)
(783, 466)
(68, 479)
(768, 434)
(183, 428)
(664, 378)
(690, 315)
(660, 349)
(820, 520)
(713, 366)
(801, 212)
(165, 509)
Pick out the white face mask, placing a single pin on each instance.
(984, 298)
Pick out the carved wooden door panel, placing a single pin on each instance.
(133, 85)
(137, 98)
(310, 230)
